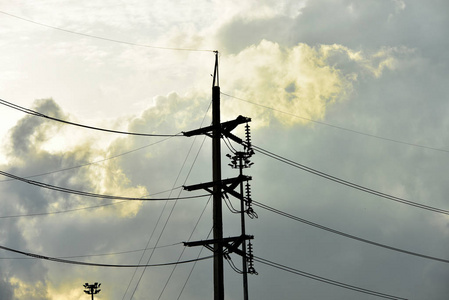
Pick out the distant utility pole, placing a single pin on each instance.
(92, 289)
(222, 247)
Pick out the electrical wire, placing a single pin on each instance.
(232, 265)
(70, 210)
(96, 255)
(228, 144)
(73, 262)
(88, 194)
(174, 205)
(228, 203)
(339, 127)
(91, 163)
(38, 114)
(188, 175)
(193, 267)
(348, 183)
(325, 280)
(60, 211)
(295, 218)
(182, 252)
(104, 38)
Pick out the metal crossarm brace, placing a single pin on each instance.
(226, 128)
(232, 182)
(231, 243)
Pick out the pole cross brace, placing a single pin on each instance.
(230, 243)
(225, 129)
(228, 185)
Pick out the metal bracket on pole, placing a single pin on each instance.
(228, 186)
(230, 243)
(226, 128)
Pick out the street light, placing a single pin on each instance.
(92, 289)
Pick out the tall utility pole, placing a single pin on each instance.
(219, 245)
(216, 175)
(92, 289)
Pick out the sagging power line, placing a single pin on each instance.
(338, 127)
(325, 280)
(328, 229)
(38, 114)
(74, 262)
(348, 183)
(93, 195)
(103, 38)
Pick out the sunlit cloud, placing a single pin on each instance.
(300, 80)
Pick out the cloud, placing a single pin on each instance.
(375, 67)
(301, 80)
(29, 155)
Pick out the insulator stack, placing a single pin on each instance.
(248, 136)
(248, 194)
(251, 269)
(249, 209)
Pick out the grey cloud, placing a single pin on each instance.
(238, 33)
(374, 24)
(33, 130)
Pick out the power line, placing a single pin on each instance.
(73, 209)
(204, 209)
(325, 280)
(339, 127)
(104, 38)
(295, 218)
(182, 252)
(60, 211)
(38, 114)
(193, 267)
(165, 205)
(73, 262)
(347, 183)
(101, 254)
(88, 194)
(91, 163)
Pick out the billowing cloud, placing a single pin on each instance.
(300, 81)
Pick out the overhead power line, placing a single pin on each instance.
(71, 210)
(325, 280)
(101, 254)
(88, 194)
(171, 210)
(38, 114)
(92, 162)
(339, 127)
(104, 38)
(295, 218)
(348, 183)
(60, 211)
(73, 262)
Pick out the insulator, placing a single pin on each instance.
(248, 147)
(248, 135)
(250, 260)
(248, 193)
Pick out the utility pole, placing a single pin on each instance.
(92, 289)
(218, 245)
(240, 161)
(216, 174)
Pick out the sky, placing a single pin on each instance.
(354, 89)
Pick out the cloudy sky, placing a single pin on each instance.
(354, 89)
